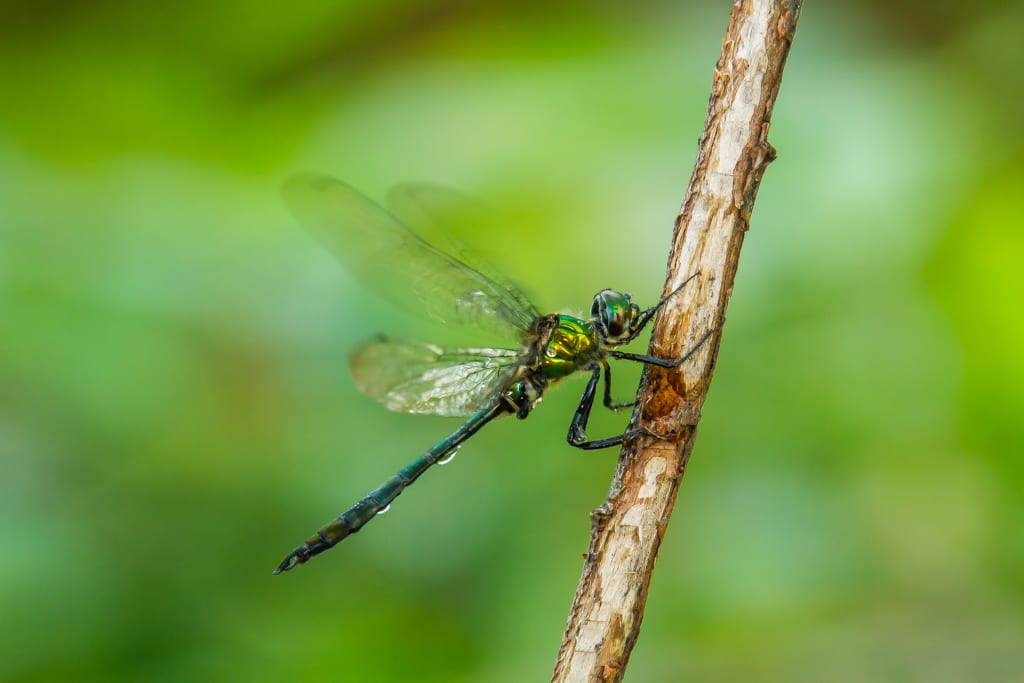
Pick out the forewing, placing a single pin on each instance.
(400, 266)
(440, 213)
(414, 377)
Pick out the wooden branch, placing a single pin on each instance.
(626, 531)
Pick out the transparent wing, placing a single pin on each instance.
(400, 266)
(415, 377)
(438, 213)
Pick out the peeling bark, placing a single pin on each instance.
(627, 529)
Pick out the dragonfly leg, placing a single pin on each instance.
(577, 435)
(522, 396)
(577, 428)
(627, 435)
(609, 403)
(517, 403)
(662, 362)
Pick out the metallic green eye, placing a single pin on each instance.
(611, 312)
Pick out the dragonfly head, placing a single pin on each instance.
(613, 314)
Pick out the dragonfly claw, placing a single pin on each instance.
(643, 431)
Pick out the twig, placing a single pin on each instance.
(626, 531)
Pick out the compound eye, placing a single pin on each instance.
(611, 310)
(615, 324)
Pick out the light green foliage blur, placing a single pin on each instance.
(175, 407)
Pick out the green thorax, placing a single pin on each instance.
(572, 345)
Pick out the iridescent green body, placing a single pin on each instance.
(572, 347)
(479, 383)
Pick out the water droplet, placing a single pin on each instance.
(384, 509)
(448, 458)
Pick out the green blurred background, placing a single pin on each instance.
(175, 406)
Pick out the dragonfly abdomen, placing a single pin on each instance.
(378, 500)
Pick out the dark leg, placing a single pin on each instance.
(577, 427)
(577, 435)
(521, 398)
(608, 402)
(661, 362)
(616, 440)
(646, 316)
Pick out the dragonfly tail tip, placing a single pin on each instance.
(290, 562)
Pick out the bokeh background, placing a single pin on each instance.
(175, 406)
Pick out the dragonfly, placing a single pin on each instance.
(456, 286)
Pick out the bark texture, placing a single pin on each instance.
(627, 530)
